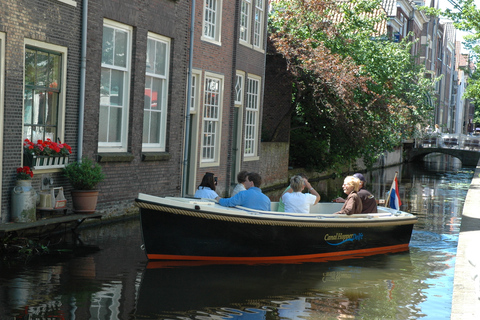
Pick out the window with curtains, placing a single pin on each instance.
(114, 87)
(156, 93)
(43, 89)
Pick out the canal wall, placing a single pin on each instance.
(387, 159)
(466, 284)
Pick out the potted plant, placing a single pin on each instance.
(84, 177)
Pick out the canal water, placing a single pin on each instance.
(106, 274)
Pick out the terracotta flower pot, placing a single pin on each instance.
(84, 201)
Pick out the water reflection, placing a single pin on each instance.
(108, 277)
(287, 291)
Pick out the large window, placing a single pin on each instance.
(114, 87)
(252, 112)
(245, 20)
(156, 93)
(258, 24)
(212, 19)
(43, 104)
(252, 13)
(211, 119)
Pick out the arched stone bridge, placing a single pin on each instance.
(465, 148)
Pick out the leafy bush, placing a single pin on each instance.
(84, 175)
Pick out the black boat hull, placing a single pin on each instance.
(199, 235)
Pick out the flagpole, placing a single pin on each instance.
(390, 192)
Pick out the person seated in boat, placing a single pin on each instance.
(241, 176)
(252, 198)
(281, 205)
(369, 202)
(207, 187)
(299, 202)
(353, 203)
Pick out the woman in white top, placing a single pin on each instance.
(299, 202)
(241, 178)
(206, 189)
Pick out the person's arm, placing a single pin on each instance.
(233, 201)
(347, 207)
(312, 191)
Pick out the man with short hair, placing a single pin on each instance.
(368, 199)
(252, 198)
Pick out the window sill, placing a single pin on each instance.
(115, 157)
(156, 156)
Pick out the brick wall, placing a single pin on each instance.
(50, 22)
(274, 164)
(125, 179)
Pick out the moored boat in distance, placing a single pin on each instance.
(175, 228)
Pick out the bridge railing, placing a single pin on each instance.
(449, 140)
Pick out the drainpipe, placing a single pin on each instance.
(189, 92)
(83, 66)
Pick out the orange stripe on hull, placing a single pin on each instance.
(282, 259)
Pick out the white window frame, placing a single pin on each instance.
(63, 51)
(210, 14)
(239, 87)
(196, 86)
(162, 105)
(245, 21)
(122, 145)
(252, 118)
(259, 24)
(214, 159)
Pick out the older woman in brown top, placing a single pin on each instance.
(353, 203)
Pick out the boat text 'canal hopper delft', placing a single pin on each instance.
(175, 228)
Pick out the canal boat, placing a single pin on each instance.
(176, 228)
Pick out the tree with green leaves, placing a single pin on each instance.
(356, 94)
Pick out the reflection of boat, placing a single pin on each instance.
(183, 289)
(198, 229)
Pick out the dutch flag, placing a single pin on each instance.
(395, 201)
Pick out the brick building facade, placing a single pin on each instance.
(42, 28)
(132, 164)
(229, 62)
(135, 90)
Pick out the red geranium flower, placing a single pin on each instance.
(24, 173)
(46, 148)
